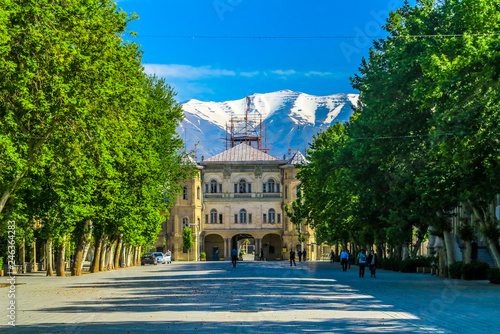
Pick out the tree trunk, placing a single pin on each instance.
(450, 247)
(85, 252)
(405, 253)
(130, 254)
(48, 257)
(109, 252)
(491, 243)
(61, 258)
(102, 261)
(118, 253)
(416, 246)
(94, 267)
(443, 268)
(138, 256)
(76, 269)
(468, 252)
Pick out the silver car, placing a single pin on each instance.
(159, 257)
(167, 258)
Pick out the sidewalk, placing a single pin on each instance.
(255, 297)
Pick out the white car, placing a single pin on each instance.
(159, 258)
(167, 258)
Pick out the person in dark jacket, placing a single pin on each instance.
(292, 257)
(372, 262)
(304, 255)
(300, 255)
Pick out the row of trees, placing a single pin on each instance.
(424, 137)
(89, 150)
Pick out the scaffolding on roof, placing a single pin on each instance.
(247, 128)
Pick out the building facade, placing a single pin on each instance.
(237, 200)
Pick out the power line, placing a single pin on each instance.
(313, 37)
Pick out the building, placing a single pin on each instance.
(237, 200)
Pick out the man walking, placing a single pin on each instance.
(300, 255)
(304, 255)
(261, 254)
(234, 257)
(362, 263)
(344, 257)
(332, 256)
(292, 258)
(372, 261)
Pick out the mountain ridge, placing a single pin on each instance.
(282, 111)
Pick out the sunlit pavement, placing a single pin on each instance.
(256, 297)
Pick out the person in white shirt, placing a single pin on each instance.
(344, 258)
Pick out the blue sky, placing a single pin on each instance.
(212, 69)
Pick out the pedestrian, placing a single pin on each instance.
(234, 257)
(372, 262)
(300, 255)
(304, 255)
(362, 263)
(332, 256)
(292, 258)
(261, 254)
(344, 258)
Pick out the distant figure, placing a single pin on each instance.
(304, 255)
(344, 258)
(372, 261)
(362, 263)
(332, 256)
(261, 254)
(234, 257)
(349, 259)
(292, 258)
(300, 255)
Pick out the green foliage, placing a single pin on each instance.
(1, 263)
(455, 270)
(476, 270)
(494, 275)
(187, 238)
(203, 255)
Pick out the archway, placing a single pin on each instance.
(271, 245)
(244, 243)
(214, 247)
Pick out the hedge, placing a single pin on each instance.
(494, 275)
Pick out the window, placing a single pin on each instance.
(206, 188)
(264, 188)
(242, 186)
(272, 216)
(271, 249)
(278, 221)
(198, 193)
(213, 186)
(185, 222)
(243, 216)
(213, 216)
(249, 187)
(235, 187)
(270, 186)
(185, 193)
(236, 219)
(220, 187)
(286, 192)
(264, 219)
(220, 218)
(206, 219)
(277, 187)
(249, 218)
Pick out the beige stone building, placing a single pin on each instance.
(237, 200)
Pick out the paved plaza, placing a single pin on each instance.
(256, 297)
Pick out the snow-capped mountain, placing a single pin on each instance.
(282, 111)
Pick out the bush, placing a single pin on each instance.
(494, 275)
(455, 270)
(476, 270)
(1, 263)
(203, 255)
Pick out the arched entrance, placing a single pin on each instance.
(214, 247)
(271, 245)
(244, 243)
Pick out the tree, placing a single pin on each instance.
(187, 238)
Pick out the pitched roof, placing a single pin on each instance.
(298, 159)
(242, 152)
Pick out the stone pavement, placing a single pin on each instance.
(256, 297)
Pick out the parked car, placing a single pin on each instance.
(159, 257)
(147, 258)
(167, 257)
(152, 258)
